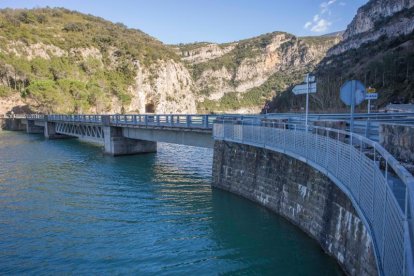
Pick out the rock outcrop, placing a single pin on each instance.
(241, 66)
(376, 19)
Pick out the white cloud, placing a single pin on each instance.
(321, 26)
(307, 25)
(325, 6)
(320, 21)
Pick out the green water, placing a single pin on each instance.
(65, 208)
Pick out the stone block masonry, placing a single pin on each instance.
(300, 193)
(398, 139)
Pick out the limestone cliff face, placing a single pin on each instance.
(205, 52)
(249, 63)
(378, 18)
(164, 87)
(170, 91)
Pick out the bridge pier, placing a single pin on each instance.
(50, 131)
(116, 144)
(32, 128)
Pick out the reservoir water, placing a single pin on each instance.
(66, 208)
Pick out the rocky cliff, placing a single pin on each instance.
(245, 73)
(378, 18)
(377, 49)
(62, 61)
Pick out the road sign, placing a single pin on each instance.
(309, 78)
(352, 93)
(352, 90)
(303, 88)
(371, 90)
(308, 87)
(371, 96)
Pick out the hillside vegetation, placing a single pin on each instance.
(69, 62)
(61, 61)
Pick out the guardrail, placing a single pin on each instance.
(186, 121)
(76, 118)
(381, 190)
(35, 116)
(13, 116)
(170, 120)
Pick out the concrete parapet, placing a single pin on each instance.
(116, 144)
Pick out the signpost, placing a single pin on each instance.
(308, 87)
(371, 95)
(352, 93)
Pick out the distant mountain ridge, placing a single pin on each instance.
(56, 60)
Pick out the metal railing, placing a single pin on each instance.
(170, 120)
(35, 116)
(380, 189)
(75, 118)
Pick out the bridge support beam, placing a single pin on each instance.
(116, 144)
(50, 131)
(32, 128)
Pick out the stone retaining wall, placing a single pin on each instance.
(399, 141)
(301, 194)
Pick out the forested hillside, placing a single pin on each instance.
(65, 61)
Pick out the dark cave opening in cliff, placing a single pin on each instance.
(149, 108)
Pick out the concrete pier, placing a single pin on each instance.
(50, 131)
(115, 144)
(32, 128)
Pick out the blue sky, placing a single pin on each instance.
(175, 21)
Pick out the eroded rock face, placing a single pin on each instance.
(205, 53)
(399, 141)
(390, 18)
(281, 53)
(40, 50)
(169, 89)
(165, 87)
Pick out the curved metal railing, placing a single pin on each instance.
(380, 189)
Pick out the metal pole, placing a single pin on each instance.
(351, 127)
(307, 101)
(369, 106)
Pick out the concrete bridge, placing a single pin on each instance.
(343, 189)
(124, 134)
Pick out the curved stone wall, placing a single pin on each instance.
(301, 194)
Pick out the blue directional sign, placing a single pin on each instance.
(371, 96)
